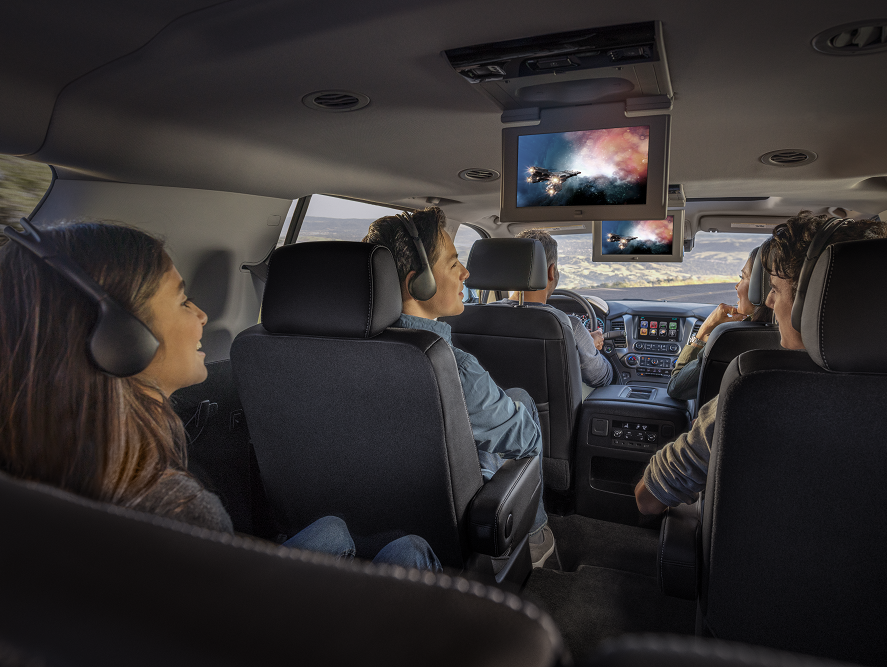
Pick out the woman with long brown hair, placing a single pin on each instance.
(66, 423)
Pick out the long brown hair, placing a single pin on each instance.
(62, 421)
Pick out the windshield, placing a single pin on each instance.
(707, 274)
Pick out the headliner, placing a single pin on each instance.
(193, 94)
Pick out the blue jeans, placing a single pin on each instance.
(330, 535)
(490, 463)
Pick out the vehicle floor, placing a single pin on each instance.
(608, 585)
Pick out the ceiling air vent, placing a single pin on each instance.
(853, 39)
(788, 157)
(479, 174)
(335, 100)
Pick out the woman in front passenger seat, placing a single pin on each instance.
(685, 376)
(64, 422)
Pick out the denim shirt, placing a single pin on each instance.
(500, 425)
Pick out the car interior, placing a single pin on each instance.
(230, 129)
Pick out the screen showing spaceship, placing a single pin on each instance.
(584, 168)
(637, 237)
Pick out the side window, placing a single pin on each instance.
(334, 219)
(22, 184)
(465, 238)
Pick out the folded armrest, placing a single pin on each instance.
(679, 552)
(502, 512)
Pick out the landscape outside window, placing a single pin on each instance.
(707, 274)
(22, 184)
(334, 219)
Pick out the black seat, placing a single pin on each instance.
(790, 552)
(526, 347)
(730, 340)
(91, 585)
(353, 419)
(727, 342)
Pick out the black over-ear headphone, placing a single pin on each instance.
(423, 286)
(814, 250)
(120, 344)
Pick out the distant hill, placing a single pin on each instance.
(717, 258)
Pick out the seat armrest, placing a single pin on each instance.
(502, 512)
(679, 559)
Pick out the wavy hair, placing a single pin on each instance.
(783, 254)
(62, 421)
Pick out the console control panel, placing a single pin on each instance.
(651, 366)
(635, 435)
(668, 348)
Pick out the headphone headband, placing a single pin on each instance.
(817, 246)
(423, 286)
(120, 344)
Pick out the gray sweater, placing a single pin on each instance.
(677, 472)
(181, 497)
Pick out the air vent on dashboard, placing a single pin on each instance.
(788, 157)
(479, 175)
(618, 325)
(853, 39)
(695, 330)
(335, 100)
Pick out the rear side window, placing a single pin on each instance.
(22, 184)
(334, 219)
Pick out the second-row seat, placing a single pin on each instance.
(351, 418)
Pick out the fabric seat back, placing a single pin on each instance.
(348, 418)
(530, 348)
(92, 585)
(793, 542)
(727, 342)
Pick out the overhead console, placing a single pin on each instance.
(624, 63)
(585, 146)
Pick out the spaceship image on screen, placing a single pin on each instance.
(602, 167)
(555, 179)
(621, 240)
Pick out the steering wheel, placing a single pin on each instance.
(578, 298)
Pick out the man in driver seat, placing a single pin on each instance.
(596, 370)
(504, 422)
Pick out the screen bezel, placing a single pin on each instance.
(677, 246)
(579, 119)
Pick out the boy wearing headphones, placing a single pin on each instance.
(505, 423)
(678, 472)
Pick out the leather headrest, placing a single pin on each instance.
(331, 288)
(758, 282)
(507, 264)
(843, 322)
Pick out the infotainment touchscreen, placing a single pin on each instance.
(655, 327)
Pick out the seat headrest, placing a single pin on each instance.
(843, 323)
(758, 282)
(331, 288)
(507, 264)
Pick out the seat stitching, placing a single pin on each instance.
(366, 332)
(828, 281)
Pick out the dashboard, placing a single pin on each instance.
(655, 333)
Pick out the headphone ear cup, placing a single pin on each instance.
(120, 344)
(423, 286)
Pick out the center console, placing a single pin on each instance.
(649, 351)
(621, 428)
